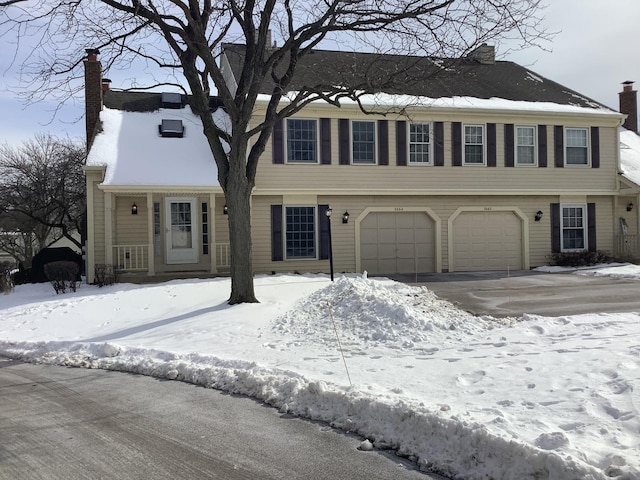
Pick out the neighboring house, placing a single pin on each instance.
(488, 167)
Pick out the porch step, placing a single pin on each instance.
(143, 278)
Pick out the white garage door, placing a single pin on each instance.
(393, 242)
(487, 241)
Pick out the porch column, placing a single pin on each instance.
(213, 252)
(150, 229)
(108, 228)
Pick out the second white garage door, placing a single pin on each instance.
(397, 242)
(487, 241)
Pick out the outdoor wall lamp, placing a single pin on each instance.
(345, 217)
(538, 215)
(225, 210)
(134, 209)
(629, 207)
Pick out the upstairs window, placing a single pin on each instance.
(474, 144)
(525, 145)
(420, 144)
(302, 141)
(573, 228)
(576, 146)
(363, 142)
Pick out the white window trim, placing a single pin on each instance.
(286, 141)
(564, 153)
(420, 164)
(484, 145)
(316, 233)
(585, 226)
(375, 141)
(535, 146)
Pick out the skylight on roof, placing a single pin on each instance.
(171, 100)
(171, 128)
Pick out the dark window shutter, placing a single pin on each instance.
(438, 140)
(591, 227)
(344, 142)
(456, 143)
(491, 144)
(383, 142)
(323, 228)
(558, 145)
(401, 143)
(276, 233)
(595, 147)
(542, 146)
(325, 141)
(278, 146)
(555, 228)
(509, 152)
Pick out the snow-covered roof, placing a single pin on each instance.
(404, 102)
(630, 155)
(134, 153)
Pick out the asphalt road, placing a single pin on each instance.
(503, 294)
(64, 423)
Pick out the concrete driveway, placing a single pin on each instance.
(503, 294)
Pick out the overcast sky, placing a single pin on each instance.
(595, 50)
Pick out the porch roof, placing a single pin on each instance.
(134, 153)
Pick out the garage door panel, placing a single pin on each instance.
(487, 241)
(404, 241)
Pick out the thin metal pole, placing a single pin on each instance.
(330, 249)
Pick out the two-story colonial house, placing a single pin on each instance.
(486, 166)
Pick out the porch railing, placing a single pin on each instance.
(627, 246)
(131, 257)
(223, 255)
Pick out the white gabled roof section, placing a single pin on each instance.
(630, 155)
(134, 153)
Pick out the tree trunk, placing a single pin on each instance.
(238, 198)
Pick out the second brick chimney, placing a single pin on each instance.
(484, 54)
(629, 106)
(92, 93)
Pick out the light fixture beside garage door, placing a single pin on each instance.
(538, 215)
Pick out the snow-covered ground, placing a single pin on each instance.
(472, 398)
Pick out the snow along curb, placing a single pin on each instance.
(438, 443)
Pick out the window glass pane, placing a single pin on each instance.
(363, 140)
(181, 225)
(301, 140)
(300, 232)
(573, 228)
(525, 145)
(576, 147)
(419, 140)
(156, 229)
(473, 146)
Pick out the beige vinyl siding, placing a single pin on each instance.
(130, 229)
(98, 223)
(376, 177)
(345, 248)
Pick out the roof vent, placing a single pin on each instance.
(171, 128)
(171, 100)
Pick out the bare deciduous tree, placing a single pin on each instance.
(42, 195)
(185, 37)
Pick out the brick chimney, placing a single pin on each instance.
(92, 93)
(484, 54)
(629, 105)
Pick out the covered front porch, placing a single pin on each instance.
(157, 235)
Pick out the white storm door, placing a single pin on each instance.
(181, 230)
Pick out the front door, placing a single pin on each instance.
(181, 230)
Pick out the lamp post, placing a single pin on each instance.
(328, 213)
